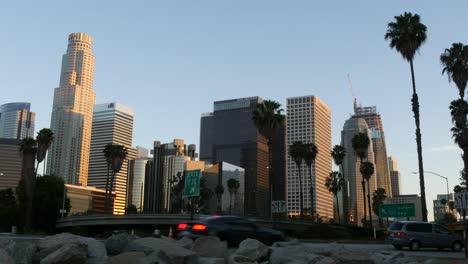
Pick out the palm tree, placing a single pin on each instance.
(267, 117)
(115, 156)
(407, 34)
(28, 149)
(310, 153)
(360, 143)
(296, 151)
(219, 190)
(378, 198)
(44, 138)
(334, 183)
(338, 154)
(367, 169)
(455, 62)
(233, 186)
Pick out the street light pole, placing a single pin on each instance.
(443, 177)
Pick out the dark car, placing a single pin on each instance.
(229, 228)
(416, 235)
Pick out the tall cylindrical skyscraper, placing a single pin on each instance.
(72, 112)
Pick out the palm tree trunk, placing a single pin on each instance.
(369, 205)
(230, 203)
(29, 182)
(363, 182)
(106, 198)
(270, 177)
(337, 209)
(415, 104)
(312, 211)
(219, 203)
(301, 207)
(110, 191)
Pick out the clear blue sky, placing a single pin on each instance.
(170, 61)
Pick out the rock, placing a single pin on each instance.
(185, 242)
(237, 259)
(253, 249)
(327, 261)
(210, 246)
(392, 258)
(204, 260)
(23, 252)
(162, 249)
(7, 244)
(5, 257)
(117, 243)
(67, 254)
(293, 242)
(126, 258)
(293, 254)
(97, 252)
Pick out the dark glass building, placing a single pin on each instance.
(229, 135)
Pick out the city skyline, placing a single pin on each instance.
(214, 73)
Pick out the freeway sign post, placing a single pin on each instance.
(192, 183)
(397, 210)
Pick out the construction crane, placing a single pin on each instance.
(350, 84)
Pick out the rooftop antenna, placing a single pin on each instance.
(350, 84)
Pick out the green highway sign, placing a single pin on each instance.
(192, 183)
(398, 210)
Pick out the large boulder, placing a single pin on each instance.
(210, 246)
(23, 252)
(160, 249)
(68, 254)
(5, 257)
(185, 242)
(293, 242)
(97, 252)
(253, 249)
(293, 254)
(126, 258)
(205, 260)
(238, 259)
(117, 243)
(391, 258)
(7, 244)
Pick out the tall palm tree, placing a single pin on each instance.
(44, 138)
(28, 149)
(360, 143)
(338, 154)
(115, 156)
(296, 151)
(378, 197)
(310, 153)
(406, 35)
(334, 183)
(267, 117)
(367, 169)
(233, 186)
(219, 190)
(455, 63)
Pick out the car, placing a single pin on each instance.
(232, 229)
(416, 235)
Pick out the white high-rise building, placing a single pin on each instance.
(112, 124)
(16, 121)
(309, 121)
(72, 112)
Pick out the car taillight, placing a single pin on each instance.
(182, 226)
(401, 234)
(387, 232)
(199, 227)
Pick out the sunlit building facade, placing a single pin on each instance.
(309, 121)
(72, 112)
(16, 121)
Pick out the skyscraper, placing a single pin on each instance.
(10, 163)
(136, 182)
(112, 124)
(374, 123)
(72, 112)
(16, 121)
(229, 135)
(352, 201)
(394, 176)
(309, 121)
